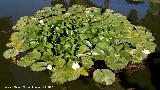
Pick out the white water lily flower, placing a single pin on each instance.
(52, 26)
(101, 38)
(94, 53)
(132, 52)
(41, 21)
(66, 13)
(49, 67)
(88, 43)
(87, 11)
(146, 51)
(75, 65)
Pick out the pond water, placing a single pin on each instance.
(146, 14)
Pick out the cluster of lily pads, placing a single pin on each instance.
(68, 42)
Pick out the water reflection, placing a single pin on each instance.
(19, 8)
(121, 6)
(135, 1)
(68, 3)
(152, 22)
(6, 75)
(133, 17)
(86, 3)
(124, 7)
(154, 8)
(150, 75)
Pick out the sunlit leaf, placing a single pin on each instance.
(25, 63)
(10, 53)
(64, 74)
(39, 66)
(87, 62)
(104, 75)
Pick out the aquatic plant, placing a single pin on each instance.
(68, 42)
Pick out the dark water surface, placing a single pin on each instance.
(145, 14)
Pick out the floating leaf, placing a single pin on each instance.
(87, 62)
(83, 49)
(47, 56)
(64, 74)
(119, 64)
(98, 53)
(34, 54)
(39, 66)
(25, 63)
(59, 62)
(33, 44)
(104, 75)
(10, 53)
(83, 71)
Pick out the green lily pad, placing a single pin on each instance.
(104, 75)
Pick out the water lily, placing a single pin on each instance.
(49, 67)
(75, 65)
(41, 21)
(67, 13)
(133, 51)
(146, 51)
(87, 11)
(52, 26)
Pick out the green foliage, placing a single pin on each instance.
(87, 62)
(39, 66)
(10, 53)
(104, 76)
(69, 42)
(64, 74)
(29, 59)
